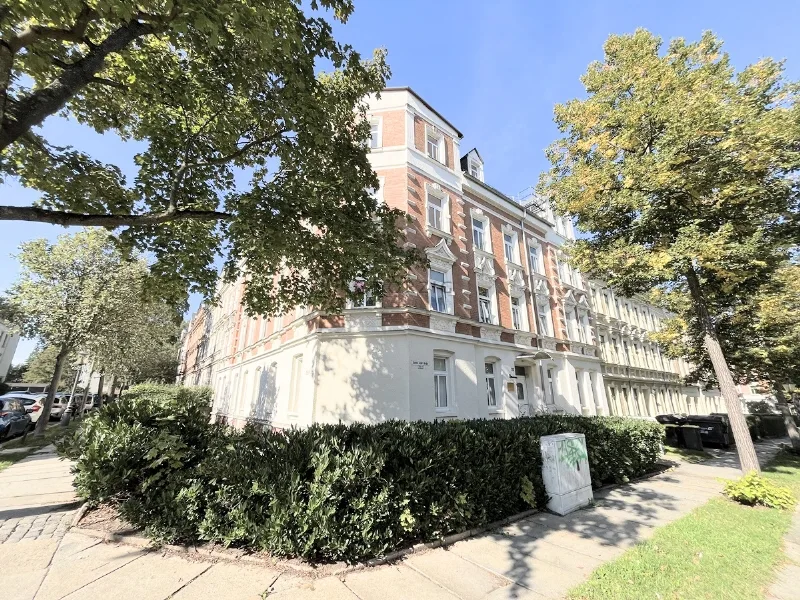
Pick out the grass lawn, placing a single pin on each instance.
(719, 550)
(686, 455)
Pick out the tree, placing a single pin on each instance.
(218, 91)
(758, 333)
(42, 363)
(142, 345)
(69, 293)
(16, 373)
(685, 173)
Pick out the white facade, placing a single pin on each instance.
(8, 346)
(499, 326)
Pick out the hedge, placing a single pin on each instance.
(327, 492)
(768, 425)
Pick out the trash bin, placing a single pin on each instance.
(713, 429)
(671, 435)
(692, 438)
(671, 419)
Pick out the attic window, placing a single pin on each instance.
(476, 168)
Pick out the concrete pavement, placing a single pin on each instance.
(542, 556)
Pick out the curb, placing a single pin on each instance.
(79, 515)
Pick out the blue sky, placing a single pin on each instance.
(494, 69)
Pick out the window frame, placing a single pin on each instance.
(511, 246)
(443, 208)
(519, 309)
(545, 316)
(535, 258)
(487, 299)
(491, 389)
(443, 285)
(482, 231)
(375, 121)
(433, 134)
(438, 375)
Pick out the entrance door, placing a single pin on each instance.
(522, 398)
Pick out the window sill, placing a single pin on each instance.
(430, 230)
(495, 411)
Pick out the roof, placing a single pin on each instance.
(425, 103)
(508, 199)
(475, 150)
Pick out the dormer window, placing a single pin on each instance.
(476, 168)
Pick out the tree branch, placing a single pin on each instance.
(40, 104)
(69, 219)
(110, 83)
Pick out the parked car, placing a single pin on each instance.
(60, 402)
(33, 406)
(14, 419)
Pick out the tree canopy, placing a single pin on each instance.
(249, 150)
(759, 333)
(684, 173)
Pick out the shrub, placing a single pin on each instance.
(329, 491)
(141, 452)
(753, 489)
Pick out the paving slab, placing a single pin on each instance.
(148, 577)
(74, 568)
(329, 588)
(543, 568)
(392, 582)
(226, 580)
(460, 576)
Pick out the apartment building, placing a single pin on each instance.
(499, 325)
(640, 380)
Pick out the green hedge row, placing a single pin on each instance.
(767, 425)
(329, 491)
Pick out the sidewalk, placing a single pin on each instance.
(542, 556)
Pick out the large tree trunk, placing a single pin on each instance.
(788, 419)
(44, 417)
(82, 404)
(741, 434)
(65, 416)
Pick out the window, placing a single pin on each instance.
(434, 145)
(476, 169)
(581, 401)
(375, 140)
(484, 305)
(440, 381)
(535, 255)
(438, 293)
(636, 401)
(516, 313)
(551, 386)
(543, 310)
(365, 300)
(508, 247)
(627, 353)
(435, 206)
(297, 378)
(479, 233)
(603, 346)
(491, 390)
